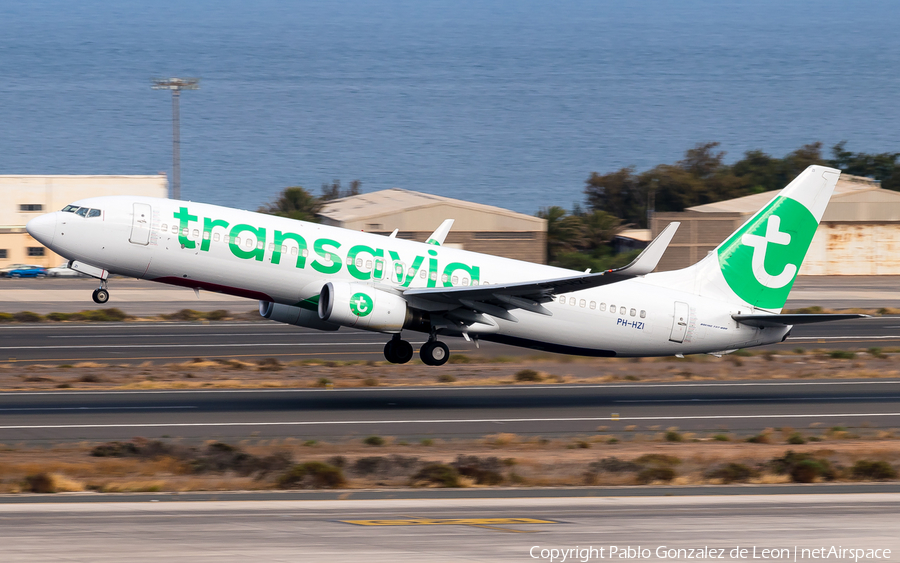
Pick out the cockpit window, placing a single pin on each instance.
(70, 208)
(94, 213)
(82, 211)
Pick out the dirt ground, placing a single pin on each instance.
(515, 461)
(460, 371)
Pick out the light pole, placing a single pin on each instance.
(176, 85)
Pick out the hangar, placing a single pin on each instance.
(859, 233)
(29, 196)
(476, 227)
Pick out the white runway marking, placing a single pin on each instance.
(436, 421)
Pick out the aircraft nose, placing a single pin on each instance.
(43, 228)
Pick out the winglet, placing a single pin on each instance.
(648, 259)
(438, 236)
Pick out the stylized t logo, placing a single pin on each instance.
(361, 305)
(758, 262)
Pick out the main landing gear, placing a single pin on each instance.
(101, 294)
(397, 350)
(433, 352)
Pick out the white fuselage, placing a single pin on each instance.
(285, 261)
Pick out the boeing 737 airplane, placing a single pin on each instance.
(325, 277)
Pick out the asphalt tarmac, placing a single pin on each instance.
(166, 342)
(443, 530)
(458, 412)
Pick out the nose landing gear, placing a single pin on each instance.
(101, 294)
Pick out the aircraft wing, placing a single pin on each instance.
(791, 319)
(498, 299)
(438, 236)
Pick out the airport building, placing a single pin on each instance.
(29, 196)
(859, 233)
(476, 227)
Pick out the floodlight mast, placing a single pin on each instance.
(176, 85)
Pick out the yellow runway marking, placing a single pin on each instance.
(480, 522)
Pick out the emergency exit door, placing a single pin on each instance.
(680, 323)
(140, 226)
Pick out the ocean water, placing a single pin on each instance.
(509, 103)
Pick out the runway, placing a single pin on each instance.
(439, 530)
(414, 413)
(162, 342)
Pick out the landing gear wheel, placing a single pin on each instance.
(100, 296)
(434, 353)
(398, 351)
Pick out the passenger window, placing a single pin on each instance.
(474, 282)
(603, 306)
(411, 273)
(368, 264)
(422, 274)
(433, 275)
(612, 309)
(633, 312)
(271, 247)
(163, 227)
(455, 280)
(205, 235)
(216, 237)
(82, 211)
(305, 253)
(349, 261)
(582, 303)
(260, 245)
(249, 244)
(643, 313)
(293, 251)
(465, 281)
(196, 233)
(184, 232)
(359, 262)
(284, 249)
(399, 267)
(94, 213)
(593, 305)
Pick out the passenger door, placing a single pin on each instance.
(140, 226)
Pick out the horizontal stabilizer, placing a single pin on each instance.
(789, 319)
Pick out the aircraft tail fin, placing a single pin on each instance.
(759, 262)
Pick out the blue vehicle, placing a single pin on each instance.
(27, 272)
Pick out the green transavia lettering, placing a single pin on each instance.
(363, 262)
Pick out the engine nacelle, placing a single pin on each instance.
(361, 306)
(294, 316)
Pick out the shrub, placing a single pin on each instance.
(89, 378)
(673, 436)
(485, 471)
(446, 378)
(370, 382)
(40, 483)
(369, 465)
(217, 315)
(58, 316)
(27, 317)
(528, 375)
(312, 475)
(323, 382)
(796, 439)
(841, 355)
(732, 473)
(427, 442)
(803, 468)
(878, 470)
(99, 316)
(374, 441)
(269, 364)
(651, 474)
(763, 438)
(459, 359)
(438, 474)
(614, 465)
(6, 318)
(877, 353)
(338, 461)
(184, 315)
(658, 459)
(721, 438)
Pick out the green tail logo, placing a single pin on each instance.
(760, 261)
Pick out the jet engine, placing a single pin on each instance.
(294, 316)
(361, 306)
